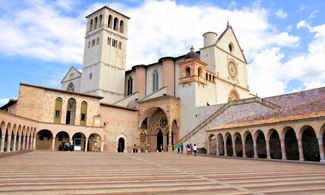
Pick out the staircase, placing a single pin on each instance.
(221, 110)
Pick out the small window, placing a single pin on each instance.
(116, 23)
(90, 75)
(206, 76)
(110, 21)
(188, 72)
(97, 41)
(93, 42)
(91, 25)
(114, 43)
(120, 45)
(155, 81)
(57, 114)
(109, 41)
(88, 44)
(83, 117)
(231, 47)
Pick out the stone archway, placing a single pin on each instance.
(212, 144)
(121, 145)
(238, 145)
(291, 144)
(95, 143)
(229, 145)
(249, 146)
(60, 137)
(79, 142)
(275, 145)
(221, 148)
(260, 144)
(44, 140)
(310, 144)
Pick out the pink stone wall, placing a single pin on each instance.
(140, 77)
(169, 76)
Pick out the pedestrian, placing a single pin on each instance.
(161, 148)
(134, 148)
(195, 149)
(178, 148)
(188, 149)
(191, 148)
(182, 147)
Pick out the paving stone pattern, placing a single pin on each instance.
(41, 172)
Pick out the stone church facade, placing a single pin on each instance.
(200, 97)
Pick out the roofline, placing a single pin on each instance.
(62, 91)
(109, 9)
(9, 103)
(117, 106)
(66, 74)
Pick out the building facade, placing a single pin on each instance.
(201, 97)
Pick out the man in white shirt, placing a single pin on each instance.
(195, 149)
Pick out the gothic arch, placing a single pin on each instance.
(233, 95)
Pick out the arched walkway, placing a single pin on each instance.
(121, 145)
(238, 145)
(291, 144)
(229, 145)
(221, 148)
(310, 144)
(95, 143)
(43, 140)
(249, 146)
(275, 145)
(260, 145)
(60, 137)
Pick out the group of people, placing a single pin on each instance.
(189, 149)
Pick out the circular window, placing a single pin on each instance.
(163, 122)
(232, 69)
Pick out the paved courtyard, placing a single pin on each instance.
(155, 173)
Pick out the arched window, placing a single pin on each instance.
(130, 83)
(199, 72)
(83, 113)
(188, 72)
(155, 81)
(121, 26)
(58, 110)
(70, 87)
(206, 76)
(110, 21)
(231, 47)
(100, 20)
(71, 110)
(115, 24)
(91, 25)
(96, 20)
(120, 45)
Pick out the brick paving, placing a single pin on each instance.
(41, 172)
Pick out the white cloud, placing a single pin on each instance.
(313, 14)
(281, 14)
(3, 101)
(42, 31)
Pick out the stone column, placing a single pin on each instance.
(24, 140)
(225, 148)
(234, 154)
(19, 142)
(283, 150)
(8, 143)
(321, 149)
(86, 145)
(27, 142)
(255, 149)
(268, 152)
(170, 146)
(14, 144)
(301, 152)
(2, 143)
(217, 145)
(53, 144)
(31, 143)
(34, 143)
(244, 149)
(102, 146)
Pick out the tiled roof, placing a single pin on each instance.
(272, 120)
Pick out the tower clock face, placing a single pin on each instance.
(232, 69)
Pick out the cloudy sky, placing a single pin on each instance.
(284, 41)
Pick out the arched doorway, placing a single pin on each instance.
(291, 144)
(238, 145)
(121, 145)
(249, 146)
(221, 145)
(275, 145)
(160, 140)
(79, 142)
(261, 145)
(60, 137)
(71, 109)
(212, 144)
(95, 143)
(310, 144)
(43, 140)
(229, 145)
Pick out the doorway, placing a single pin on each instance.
(160, 139)
(121, 145)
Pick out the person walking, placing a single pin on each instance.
(182, 148)
(195, 149)
(191, 148)
(134, 148)
(161, 148)
(188, 149)
(178, 148)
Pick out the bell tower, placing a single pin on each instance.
(103, 71)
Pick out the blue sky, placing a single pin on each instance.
(283, 41)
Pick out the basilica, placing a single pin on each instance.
(201, 97)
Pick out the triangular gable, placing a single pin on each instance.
(73, 70)
(229, 36)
